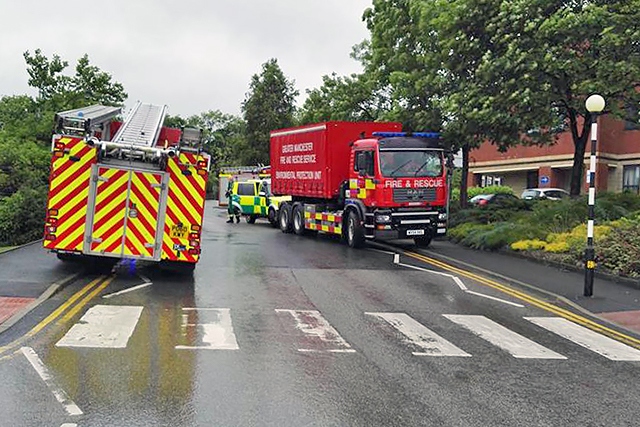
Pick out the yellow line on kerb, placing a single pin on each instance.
(97, 285)
(53, 316)
(531, 300)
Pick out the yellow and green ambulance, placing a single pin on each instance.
(253, 199)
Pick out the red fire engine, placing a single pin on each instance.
(131, 190)
(361, 181)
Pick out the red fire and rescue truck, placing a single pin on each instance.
(361, 180)
(131, 190)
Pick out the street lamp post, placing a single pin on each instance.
(595, 105)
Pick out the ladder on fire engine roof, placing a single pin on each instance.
(82, 121)
(142, 125)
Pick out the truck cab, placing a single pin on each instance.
(253, 199)
(398, 182)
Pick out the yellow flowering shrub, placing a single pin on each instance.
(528, 245)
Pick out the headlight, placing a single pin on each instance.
(383, 219)
(442, 216)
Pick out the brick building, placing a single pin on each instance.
(618, 161)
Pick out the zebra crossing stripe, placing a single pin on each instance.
(216, 329)
(607, 347)
(103, 326)
(515, 344)
(419, 336)
(313, 325)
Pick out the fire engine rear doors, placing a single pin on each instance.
(125, 217)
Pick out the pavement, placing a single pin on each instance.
(616, 302)
(28, 275)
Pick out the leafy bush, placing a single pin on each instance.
(492, 213)
(22, 216)
(619, 250)
(494, 236)
(461, 232)
(491, 189)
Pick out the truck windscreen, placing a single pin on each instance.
(410, 163)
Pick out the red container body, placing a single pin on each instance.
(312, 161)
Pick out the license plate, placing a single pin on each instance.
(178, 231)
(415, 232)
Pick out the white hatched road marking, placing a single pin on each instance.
(216, 327)
(60, 395)
(611, 349)
(313, 325)
(418, 335)
(103, 326)
(515, 344)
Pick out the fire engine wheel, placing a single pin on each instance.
(251, 219)
(272, 216)
(298, 220)
(67, 257)
(423, 242)
(285, 218)
(355, 230)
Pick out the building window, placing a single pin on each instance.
(631, 178)
(532, 179)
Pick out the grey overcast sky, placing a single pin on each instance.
(194, 55)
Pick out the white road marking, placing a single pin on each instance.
(69, 425)
(494, 298)
(103, 326)
(216, 328)
(124, 291)
(60, 395)
(418, 335)
(605, 346)
(312, 324)
(515, 344)
(450, 276)
(381, 251)
(396, 258)
(144, 278)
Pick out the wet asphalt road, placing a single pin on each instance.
(278, 375)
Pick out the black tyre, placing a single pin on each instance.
(284, 219)
(68, 257)
(272, 216)
(354, 230)
(423, 242)
(298, 220)
(251, 219)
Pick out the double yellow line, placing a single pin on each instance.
(576, 318)
(66, 310)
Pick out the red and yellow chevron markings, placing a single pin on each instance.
(109, 213)
(185, 207)
(142, 218)
(68, 193)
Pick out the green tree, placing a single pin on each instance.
(269, 105)
(58, 92)
(353, 98)
(553, 54)
(224, 136)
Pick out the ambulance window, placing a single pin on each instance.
(246, 189)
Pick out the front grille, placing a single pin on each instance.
(402, 195)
